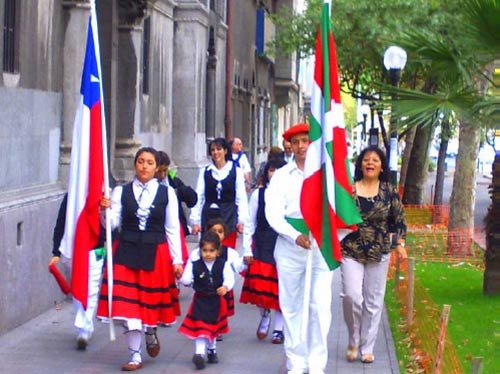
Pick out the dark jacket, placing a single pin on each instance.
(60, 226)
(186, 195)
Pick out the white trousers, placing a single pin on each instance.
(84, 319)
(363, 290)
(304, 353)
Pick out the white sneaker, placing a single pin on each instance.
(263, 328)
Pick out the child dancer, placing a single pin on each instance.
(261, 280)
(230, 255)
(211, 278)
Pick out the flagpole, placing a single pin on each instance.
(109, 251)
(307, 291)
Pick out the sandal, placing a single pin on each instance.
(134, 363)
(367, 358)
(352, 354)
(132, 366)
(153, 348)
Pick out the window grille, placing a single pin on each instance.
(145, 55)
(9, 36)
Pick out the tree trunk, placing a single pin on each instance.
(440, 170)
(461, 224)
(409, 138)
(439, 185)
(491, 281)
(416, 176)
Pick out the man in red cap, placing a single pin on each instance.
(306, 323)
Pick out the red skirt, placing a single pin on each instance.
(230, 303)
(230, 240)
(151, 296)
(260, 286)
(194, 327)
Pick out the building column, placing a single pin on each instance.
(189, 82)
(75, 36)
(128, 90)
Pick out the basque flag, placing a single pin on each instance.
(87, 169)
(326, 200)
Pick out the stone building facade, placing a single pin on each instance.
(165, 68)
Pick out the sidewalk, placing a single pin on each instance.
(46, 344)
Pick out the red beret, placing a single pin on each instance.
(299, 128)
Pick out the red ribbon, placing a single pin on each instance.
(65, 288)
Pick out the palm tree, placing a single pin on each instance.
(461, 68)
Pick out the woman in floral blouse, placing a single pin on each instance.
(366, 252)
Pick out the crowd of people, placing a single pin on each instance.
(262, 238)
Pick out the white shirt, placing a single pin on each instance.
(244, 163)
(187, 278)
(253, 206)
(234, 260)
(144, 195)
(288, 159)
(283, 200)
(240, 201)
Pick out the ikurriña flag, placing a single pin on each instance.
(326, 199)
(86, 171)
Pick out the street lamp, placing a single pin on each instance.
(373, 138)
(394, 62)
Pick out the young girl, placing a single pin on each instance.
(211, 278)
(146, 257)
(230, 255)
(261, 280)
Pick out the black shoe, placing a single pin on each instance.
(278, 337)
(212, 357)
(199, 361)
(81, 344)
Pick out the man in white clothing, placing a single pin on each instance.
(241, 160)
(306, 323)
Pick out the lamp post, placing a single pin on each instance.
(373, 137)
(365, 109)
(394, 62)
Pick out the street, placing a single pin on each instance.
(47, 345)
(482, 201)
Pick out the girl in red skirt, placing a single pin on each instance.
(261, 280)
(230, 255)
(147, 257)
(211, 278)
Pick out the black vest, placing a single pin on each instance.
(264, 237)
(206, 281)
(228, 193)
(137, 249)
(227, 209)
(206, 305)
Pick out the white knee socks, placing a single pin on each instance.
(134, 345)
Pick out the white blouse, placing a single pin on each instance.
(144, 195)
(187, 278)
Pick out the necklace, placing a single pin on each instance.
(368, 192)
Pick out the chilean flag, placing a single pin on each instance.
(87, 169)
